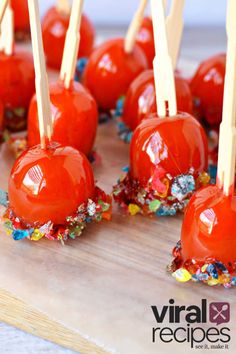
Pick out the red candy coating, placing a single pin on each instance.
(110, 71)
(16, 84)
(75, 117)
(49, 185)
(174, 144)
(207, 86)
(208, 229)
(21, 16)
(54, 28)
(145, 39)
(141, 98)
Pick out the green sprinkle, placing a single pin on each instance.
(72, 235)
(98, 217)
(20, 112)
(154, 205)
(105, 206)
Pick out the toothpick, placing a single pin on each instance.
(63, 6)
(7, 32)
(175, 26)
(3, 6)
(227, 145)
(134, 27)
(71, 48)
(41, 79)
(162, 64)
(165, 4)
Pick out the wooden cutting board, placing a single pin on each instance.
(94, 295)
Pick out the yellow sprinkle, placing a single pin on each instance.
(36, 235)
(204, 178)
(8, 232)
(224, 279)
(166, 182)
(133, 209)
(122, 177)
(213, 282)
(182, 275)
(203, 269)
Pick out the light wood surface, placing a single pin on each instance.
(70, 53)
(102, 285)
(227, 145)
(162, 64)
(35, 322)
(135, 26)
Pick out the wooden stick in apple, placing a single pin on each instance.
(41, 78)
(162, 64)
(72, 42)
(7, 31)
(227, 145)
(3, 6)
(164, 144)
(165, 4)
(63, 6)
(135, 26)
(207, 249)
(174, 26)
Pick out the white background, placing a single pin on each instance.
(119, 12)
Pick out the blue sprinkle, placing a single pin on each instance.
(125, 169)
(203, 276)
(3, 198)
(211, 269)
(182, 186)
(129, 137)
(119, 106)
(80, 67)
(20, 234)
(163, 211)
(124, 132)
(233, 281)
(221, 266)
(121, 126)
(194, 277)
(212, 170)
(120, 103)
(88, 219)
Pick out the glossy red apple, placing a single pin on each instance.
(16, 87)
(208, 229)
(145, 39)
(49, 185)
(172, 144)
(141, 98)
(110, 71)
(75, 117)
(207, 86)
(54, 28)
(21, 18)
